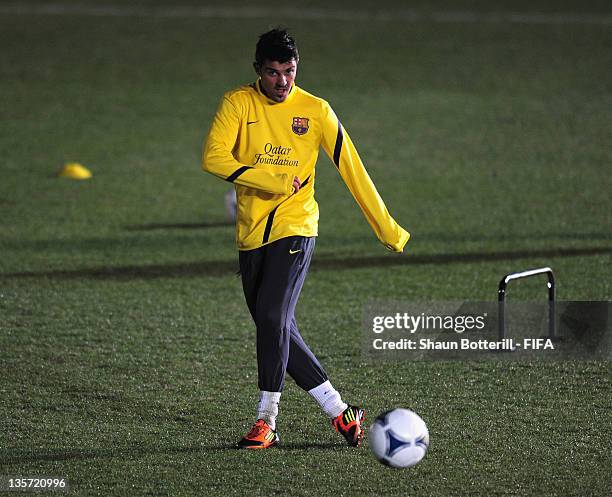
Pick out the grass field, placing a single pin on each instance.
(127, 352)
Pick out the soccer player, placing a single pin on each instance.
(265, 139)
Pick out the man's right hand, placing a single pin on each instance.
(296, 184)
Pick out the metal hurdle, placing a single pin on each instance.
(501, 297)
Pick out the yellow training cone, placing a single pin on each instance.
(74, 170)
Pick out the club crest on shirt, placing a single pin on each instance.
(300, 125)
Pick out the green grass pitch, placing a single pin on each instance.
(127, 353)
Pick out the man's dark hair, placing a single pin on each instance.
(276, 45)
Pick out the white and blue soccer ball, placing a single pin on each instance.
(399, 438)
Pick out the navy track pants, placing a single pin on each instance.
(272, 278)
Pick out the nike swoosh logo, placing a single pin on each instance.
(251, 122)
(294, 251)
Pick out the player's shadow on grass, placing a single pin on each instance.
(311, 445)
(21, 457)
(225, 268)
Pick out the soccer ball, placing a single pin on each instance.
(399, 438)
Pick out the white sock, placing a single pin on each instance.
(268, 407)
(329, 399)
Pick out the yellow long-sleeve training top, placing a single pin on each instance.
(260, 145)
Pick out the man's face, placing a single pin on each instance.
(277, 78)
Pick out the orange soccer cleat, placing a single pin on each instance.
(261, 436)
(349, 425)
